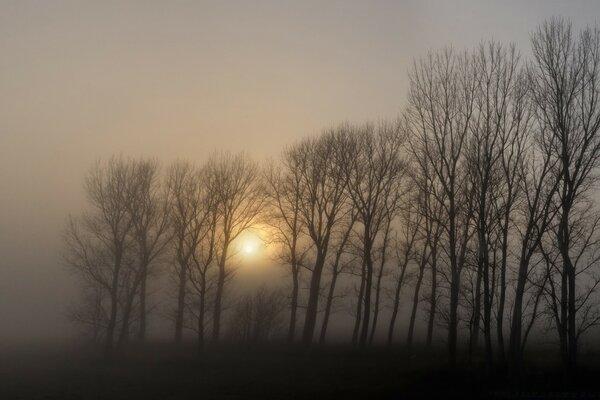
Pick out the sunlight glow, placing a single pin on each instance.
(250, 244)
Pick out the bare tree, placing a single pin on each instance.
(322, 205)
(284, 188)
(427, 210)
(383, 255)
(338, 265)
(98, 242)
(565, 78)
(90, 311)
(500, 116)
(585, 253)
(258, 317)
(374, 167)
(440, 117)
(428, 229)
(236, 182)
(185, 204)
(148, 207)
(515, 141)
(202, 261)
(405, 253)
(532, 218)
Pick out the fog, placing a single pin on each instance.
(178, 80)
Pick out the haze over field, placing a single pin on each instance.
(81, 82)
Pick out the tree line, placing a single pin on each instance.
(477, 203)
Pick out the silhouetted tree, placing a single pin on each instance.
(185, 198)
(338, 265)
(283, 181)
(565, 79)
(239, 198)
(499, 116)
(440, 118)
(405, 253)
(323, 203)
(148, 208)
(257, 317)
(373, 167)
(98, 242)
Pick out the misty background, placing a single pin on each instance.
(81, 82)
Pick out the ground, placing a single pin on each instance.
(168, 372)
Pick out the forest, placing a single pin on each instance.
(468, 223)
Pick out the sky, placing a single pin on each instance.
(82, 80)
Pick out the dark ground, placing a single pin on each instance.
(166, 372)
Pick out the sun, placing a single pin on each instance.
(249, 244)
(249, 248)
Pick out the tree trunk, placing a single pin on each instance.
(112, 322)
(359, 303)
(114, 299)
(219, 292)
(502, 295)
(180, 302)
(454, 283)
(433, 295)
(367, 297)
(377, 297)
(201, 313)
(124, 334)
(484, 264)
(396, 303)
(474, 339)
(313, 300)
(328, 307)
(415, 303)
(294, 303)
(142, 330)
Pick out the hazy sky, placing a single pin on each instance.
(82, 80)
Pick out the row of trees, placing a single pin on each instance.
(480, 197)
(137, 220)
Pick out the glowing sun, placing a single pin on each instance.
(249, 244)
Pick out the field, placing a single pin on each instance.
(165, 372)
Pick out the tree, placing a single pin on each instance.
(373, 167)
(283, 182)
(148, 208)
(184, 190)
(338, 265)
(203, 225)
(428, 229)
(257, 317)
(439, 120)
(501, 116)
(322, 205)
(405, 253)
(565, 79)
(239, 200)
(97, 244)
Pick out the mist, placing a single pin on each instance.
(185, 81)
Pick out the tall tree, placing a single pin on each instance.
(338, 265)
(498, 117)
(323, 204)
(440, 117)
(405, 254)
(284, 191)
(150, 217)
(203, 228)
(239, 191)
(374, 168)
(184, 190)
(565, 79)
(97, 244)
